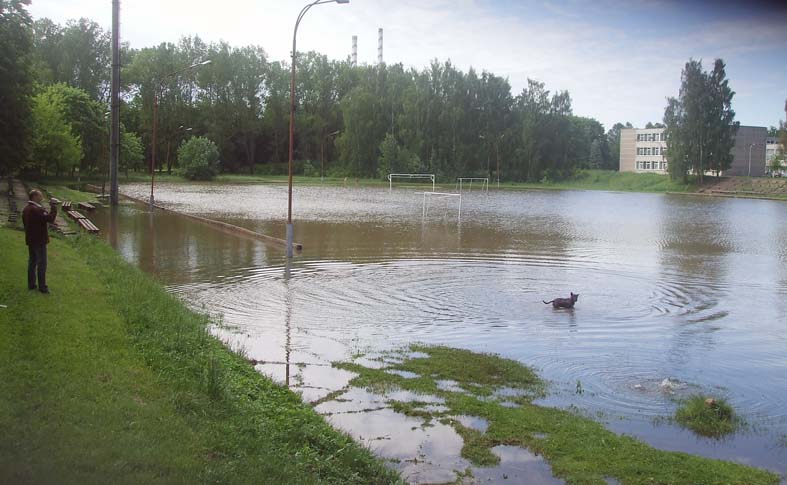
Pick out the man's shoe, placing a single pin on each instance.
(44, 290)
(32, 287)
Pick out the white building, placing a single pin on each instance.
(643, 150)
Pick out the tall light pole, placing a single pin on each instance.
(750, 147)
(114, 127)
(292, 118)
(497, 150)
(156, 95)
(322, 154)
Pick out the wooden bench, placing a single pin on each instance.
(86, 206)
(66, 206)
(87, 225)
(75, 215)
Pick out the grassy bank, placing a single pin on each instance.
(582, 180)
(612, 181)
(111, 379)
(501, 391)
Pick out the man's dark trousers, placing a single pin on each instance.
(36, 266)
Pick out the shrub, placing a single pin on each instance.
(198, 159)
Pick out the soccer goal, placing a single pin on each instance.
(392, 176)
(444, 196)
(462, 182)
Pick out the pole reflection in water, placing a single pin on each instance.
(287, 320)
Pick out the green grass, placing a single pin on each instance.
(714, 418)
(111, 379)
(583, 180)
(580, 450)
(612, 181)
(64, 193)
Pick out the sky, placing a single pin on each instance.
(619, 59)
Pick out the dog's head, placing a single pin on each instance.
(574, 297)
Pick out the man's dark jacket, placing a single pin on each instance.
(35, 219)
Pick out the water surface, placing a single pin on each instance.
(686, 288)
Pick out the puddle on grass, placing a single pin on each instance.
(517, 465)
(403, 373)
(420, 454)
(449, 386)
(472, 422)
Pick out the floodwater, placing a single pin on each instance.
(688, 289)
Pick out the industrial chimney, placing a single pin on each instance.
(379, 46)
(354, 58)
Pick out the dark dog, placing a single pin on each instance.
(563, 302)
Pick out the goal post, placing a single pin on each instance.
(392, 176)
(462, 181)
(442, 195)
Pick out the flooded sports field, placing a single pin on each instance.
(678, 295)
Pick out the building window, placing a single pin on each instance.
(663, 136)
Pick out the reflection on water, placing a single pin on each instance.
(692, 289)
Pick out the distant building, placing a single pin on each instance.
(645, 150)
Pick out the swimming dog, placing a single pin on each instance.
(563, 302)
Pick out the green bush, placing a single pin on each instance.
(198, 159)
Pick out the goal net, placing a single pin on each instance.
(466, 183)
(410, 176)
(441, 202)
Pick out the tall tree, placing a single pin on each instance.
(86, 119)
(55, 146)
(700, 122)
(16, 43)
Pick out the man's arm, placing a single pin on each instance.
(50, 216)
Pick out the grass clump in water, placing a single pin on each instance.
(707, 416)
(579, 449)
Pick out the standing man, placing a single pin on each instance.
(35, 219)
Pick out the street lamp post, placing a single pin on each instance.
(292, 118)
(322, 154)
(497, 153)
(156, 95)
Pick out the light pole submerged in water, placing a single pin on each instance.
(292, 119)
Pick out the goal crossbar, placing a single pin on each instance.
(392, 176)
(425, 209)
(484, 182)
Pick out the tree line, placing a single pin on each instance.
(361, 121)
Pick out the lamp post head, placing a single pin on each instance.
(342, 1)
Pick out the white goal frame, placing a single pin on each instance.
(484, 183)
(425, 208)
(391, 176)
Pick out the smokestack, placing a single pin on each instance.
(379, 46)
(354, 58)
